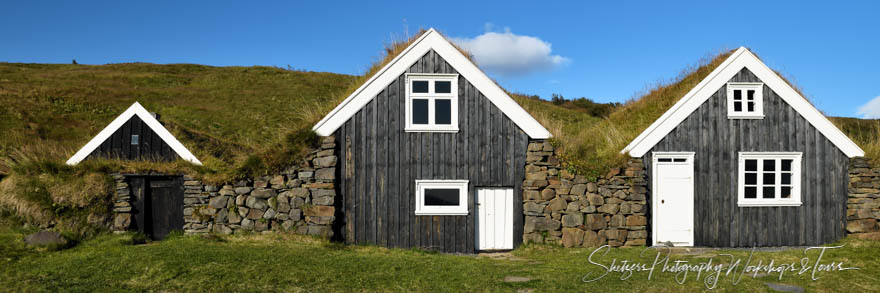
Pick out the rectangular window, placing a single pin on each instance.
(769, 179)
(135, 139)
(441, 197)
(432, 102)
(744, 100)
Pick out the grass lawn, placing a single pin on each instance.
(295, 263)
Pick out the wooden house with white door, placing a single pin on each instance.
(743, 159)
(432, 154)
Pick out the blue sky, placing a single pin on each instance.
(604, 51)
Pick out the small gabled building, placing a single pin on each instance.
(135, 135)
(743, 159)
(432, 154)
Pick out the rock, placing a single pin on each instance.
(255, 214)
(243, 211)
(620, 194)
(261, 183)
(591, 239)
(227, 192)
(595, 222)
(535, 183)
(221, 216)
(542, 175)
(263, 193)
(324, 201)
(295, 215)
(240, 200)
(328, 161)
(608, 208)
(572, 220)
(325, 174)
(557, 204)
(306, 174)
(219, 202)
(531, 195)
(277, 180)
(283, 207)
(319, 211)
(222, 229)
(122, 221)
(867, 236)
(785, 288)
(864, 225)
(635, 242)
(299, 192)
(540, 224)
(261, 226)
(636, 221)
(243, 190)
(45, 238)
(638, 234)
(532, 208)
(547, 194)
(592, 187)
(579, 189)
(233, 218)
(323, 192)
(515, 279)
(595, 199)
(256, 203)
(297, 202)
(287, 225)
(533, 238)
(636, 196)
(270, 213)
(617, 221)
(573, 206)
(572, 237)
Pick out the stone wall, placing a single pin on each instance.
(299, 199)
(572, 211)
(863, 204)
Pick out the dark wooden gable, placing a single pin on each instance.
(716, 141)
(149, 147)
(380, 163)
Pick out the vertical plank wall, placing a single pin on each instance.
(380, 163)
(716, 140)
(150, 147)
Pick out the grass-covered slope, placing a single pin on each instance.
(223, 114)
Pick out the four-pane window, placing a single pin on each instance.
(744, 100)
(432, 103)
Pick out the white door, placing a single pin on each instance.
(673, 198)
(494, 218)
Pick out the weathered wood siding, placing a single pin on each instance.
(716, 140)
(150, 147)
(380, 163)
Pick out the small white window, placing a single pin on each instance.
(432, 102)
(769, 179)
(745, 100)
(135, 139)
(441, 197)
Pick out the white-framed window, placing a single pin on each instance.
(432, 102)
(745, 100)
(769, 179)
(441, 197)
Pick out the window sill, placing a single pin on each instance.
(745, 116)
(441, 213)
(440, 130)
(769, 204)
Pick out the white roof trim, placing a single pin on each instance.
(149, 120)
(721, 75)
(430, 40)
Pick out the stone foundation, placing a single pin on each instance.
(863, 204)
(572, 211)
(300, 199)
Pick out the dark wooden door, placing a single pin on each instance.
(158, 205)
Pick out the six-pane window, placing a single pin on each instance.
(432, 102)
(769, 178)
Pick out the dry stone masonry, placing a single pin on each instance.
(863, 204)
(300, 199)
(572, 211)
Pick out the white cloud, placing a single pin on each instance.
(871, 109)
(510, 54)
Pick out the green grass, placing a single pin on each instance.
(281, 262)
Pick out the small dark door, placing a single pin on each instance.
(158, 205)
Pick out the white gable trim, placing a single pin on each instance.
(740, 59)
(149, 120)
(430, 40)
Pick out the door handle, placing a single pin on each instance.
(662, 201)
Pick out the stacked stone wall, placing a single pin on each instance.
(299, 199)
(569, 210)
(863, 203)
